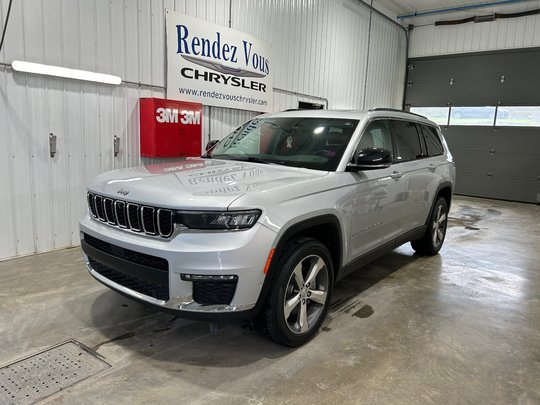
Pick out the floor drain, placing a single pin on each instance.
(45, 373)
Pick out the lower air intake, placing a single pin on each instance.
(214, 292)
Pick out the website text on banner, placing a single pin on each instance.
(215, 65)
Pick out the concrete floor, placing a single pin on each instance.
(461, 327)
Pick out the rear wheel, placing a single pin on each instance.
(298, 300)
(433, 239)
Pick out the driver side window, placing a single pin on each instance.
(376, 135)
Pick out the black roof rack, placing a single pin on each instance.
(396, 110)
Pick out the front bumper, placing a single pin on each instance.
(240, 254)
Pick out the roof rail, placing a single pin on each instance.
(396, 110)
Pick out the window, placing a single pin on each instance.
(438, 115)
(377, 135)
(407, 141)
(472, 116)
(313, 143)
(518, 116)
(433, 141)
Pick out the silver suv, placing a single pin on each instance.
(265, 223)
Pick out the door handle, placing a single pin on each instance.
(396, 175)
(432, 167)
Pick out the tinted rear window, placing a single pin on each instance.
(433, 142)
(407, 140)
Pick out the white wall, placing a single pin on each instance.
(429, 40)
(320, 50)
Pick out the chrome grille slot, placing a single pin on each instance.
(98, 201)
(92, 204)
(165, 222)
(121, 216)
(109, 210)
(134, 217)
(148, 220)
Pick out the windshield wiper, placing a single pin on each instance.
(255, 159)
(246, 158)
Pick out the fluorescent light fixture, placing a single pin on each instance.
(38, 68)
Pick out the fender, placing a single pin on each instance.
(288, 235)
(445, 184)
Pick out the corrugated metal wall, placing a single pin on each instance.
(320, 55)
(429, 40)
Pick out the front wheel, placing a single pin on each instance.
(298, 301)
(433, 239)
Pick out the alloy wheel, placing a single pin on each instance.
(439, 226)
(306, 294)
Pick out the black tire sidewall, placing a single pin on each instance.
(289, 261)
(440, 201)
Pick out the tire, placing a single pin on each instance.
(433, 239)
(291, 315)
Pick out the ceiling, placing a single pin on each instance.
(410, 6)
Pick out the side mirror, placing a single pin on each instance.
(371, 158)
(211, 145)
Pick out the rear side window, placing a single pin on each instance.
(407, 141)
(433, 141)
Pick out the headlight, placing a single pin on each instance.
(218, 220)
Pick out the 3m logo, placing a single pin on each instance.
(170, 115)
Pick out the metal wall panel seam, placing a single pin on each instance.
(30, 147)
(3, 19)
(82, 144)
(72, 98)
(317, 49)
(131, 30)
(144, 35)
(52, 222)
(55, 88)
(29, 160)
(10, 152)
(10, 195)
(69, 168)
(367, 57)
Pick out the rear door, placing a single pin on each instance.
(412, 163)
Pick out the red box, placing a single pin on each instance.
(170, 128)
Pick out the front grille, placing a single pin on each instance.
(158, 291)
(213, 292)
(135, 217)
(127, 254)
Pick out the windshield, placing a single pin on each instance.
(313, 143)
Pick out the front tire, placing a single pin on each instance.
(433, 239)
(298, 301)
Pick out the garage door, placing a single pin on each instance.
(488, 106)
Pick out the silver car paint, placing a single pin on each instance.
(372, 208)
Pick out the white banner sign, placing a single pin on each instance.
(215, 65)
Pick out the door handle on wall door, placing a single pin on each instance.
(396, 175)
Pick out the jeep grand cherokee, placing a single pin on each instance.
(265, 223)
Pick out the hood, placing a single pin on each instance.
(196, 183)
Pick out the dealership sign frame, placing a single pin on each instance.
(217, 66)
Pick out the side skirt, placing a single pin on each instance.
(367, 258)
